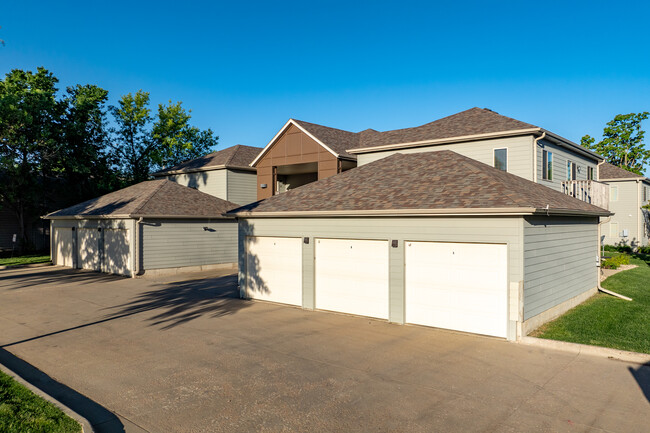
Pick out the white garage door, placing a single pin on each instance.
(352, 276)
(457, 286)
(63, 246)
(274, 269)
(117, 251)
(88, 240)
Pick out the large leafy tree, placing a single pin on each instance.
(132, 143)
(85, 163)
(176, 140)
(29, 127)
(622, 142)
(142, 144)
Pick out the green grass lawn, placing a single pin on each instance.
(23, 411)
(604, 320)
(25, 260)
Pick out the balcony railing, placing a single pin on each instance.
(591, 191)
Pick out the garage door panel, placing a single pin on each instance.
(352, 276)
(89, 249)
(457, 286)
(274, 269)
(117, 251)
(63, 246)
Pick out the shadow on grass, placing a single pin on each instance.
(101, 419)
(642, 377)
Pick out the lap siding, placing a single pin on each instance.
(180, 243)
(559, 260)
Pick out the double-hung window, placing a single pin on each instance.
(571, 169)
(590, 173)
(547, 165)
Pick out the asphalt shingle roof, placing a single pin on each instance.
(238, 156)
(469, 122)
(439, 180)
(160, 198)
(610, 171)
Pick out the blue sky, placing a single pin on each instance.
(244, 68)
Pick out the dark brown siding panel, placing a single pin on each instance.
(293, 147)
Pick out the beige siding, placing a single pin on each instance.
(627, 215)
(210, 182)
(477, 229)
(179, 243)
(242, 186)
(559, 261)
(108, 258)
(520, 149)
(560, 157)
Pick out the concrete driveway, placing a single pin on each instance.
(183, 354)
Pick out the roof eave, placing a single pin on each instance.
(208, 168)
(571, 145)
(446, 140)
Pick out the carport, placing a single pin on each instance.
(149, 226)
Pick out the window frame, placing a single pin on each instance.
(590, 173)
(613, 189)
(547, 169)
(494, 158)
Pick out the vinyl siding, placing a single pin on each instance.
(242, 186)
(210, 182)
(178, 243)
(627, 214)
(463, 229)
(559, 260)
(520, 149)
(560, 157)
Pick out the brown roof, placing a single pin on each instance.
(238, 156)
(610, 171)
(441, 180)
(159, 198)
(469, 122)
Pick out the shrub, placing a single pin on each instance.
(619, 248)
(644, 250)
(615, 262)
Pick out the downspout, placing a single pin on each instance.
(136, 237)
(598, 267)
(535, 142)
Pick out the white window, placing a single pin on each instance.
(501, 159)
(613, 230)
(547, 165)
(571, 169)
(590, 173)
(613, 193)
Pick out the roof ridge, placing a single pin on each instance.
(235, 149)
(154, 192)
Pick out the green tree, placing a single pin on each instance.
(85, 163)
(29, 126)
(176, 140)
(622, 142)
(133, 144)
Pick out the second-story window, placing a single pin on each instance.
(547, 165)
(590, 173)
(501, 159)
(571, 170)
(613, 193)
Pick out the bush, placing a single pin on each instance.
(618, 248)
(644, 250)
(615, 262)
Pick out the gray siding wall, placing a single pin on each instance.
(627, 215)
(508, 230)
(560, 157)
(520, 153)
(210, 182)
(242, 186)
(559, 260)
(178, 243)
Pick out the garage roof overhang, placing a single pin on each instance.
(422, 212)
(135, 216)
(561, 141)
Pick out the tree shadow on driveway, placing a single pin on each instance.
(642, 377)
(185, 301)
